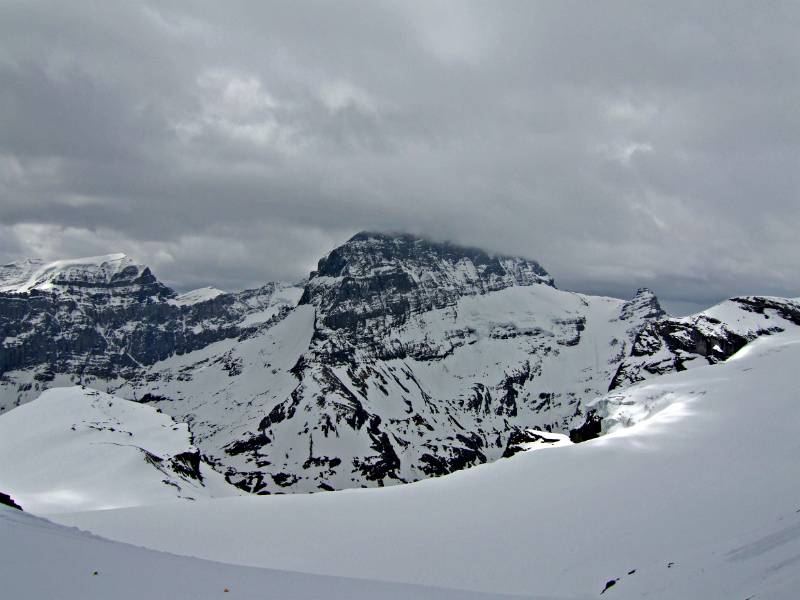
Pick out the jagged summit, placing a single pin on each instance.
(645, 303)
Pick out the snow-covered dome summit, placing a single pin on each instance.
(35, 274)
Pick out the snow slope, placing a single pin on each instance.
(80, 449)
(699, 500)
(194, 296)
(41, 560)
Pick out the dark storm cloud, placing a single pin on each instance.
(621, 144)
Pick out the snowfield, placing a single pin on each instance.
(79, 449)
(196, 296)
(695, 493)
(40, 560)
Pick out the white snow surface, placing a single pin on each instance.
(79, 449)
(194, 296)
(730, 314)
(547, 440)
(23, 276)
(699, 498)
(41, 560)
(283, 296)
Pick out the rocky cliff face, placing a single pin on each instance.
(402, 359)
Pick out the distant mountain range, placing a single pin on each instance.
(397, 360)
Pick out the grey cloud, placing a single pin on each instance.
(621, 144)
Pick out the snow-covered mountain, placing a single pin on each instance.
(398, 360)
(96, 273)
(693, 494)
(675, 344)
(404, 359)
(106, 317)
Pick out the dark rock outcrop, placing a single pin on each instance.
(7, 500)
(589, 429)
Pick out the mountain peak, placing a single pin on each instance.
(387, 276)
(368, 250)
(645, 304)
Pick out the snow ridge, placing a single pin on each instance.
(194, 296)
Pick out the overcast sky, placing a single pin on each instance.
(621, 144)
